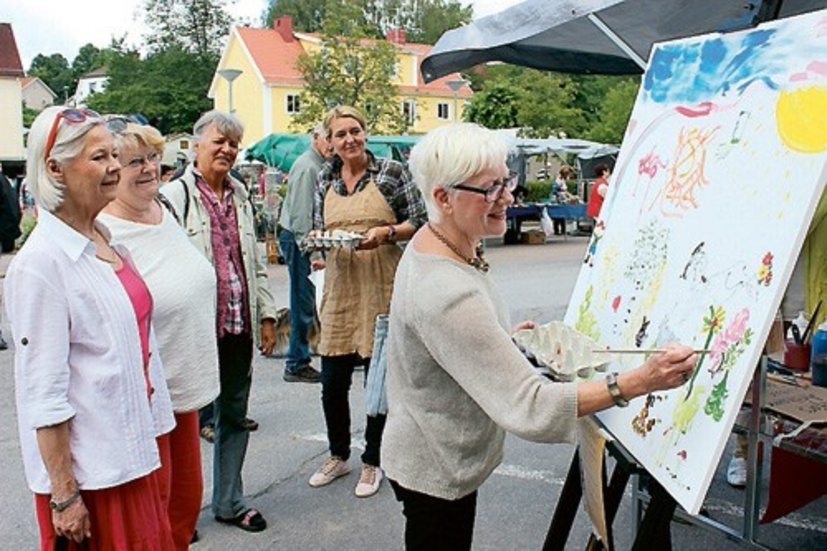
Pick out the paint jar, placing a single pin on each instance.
(818, 362)
(797, 356)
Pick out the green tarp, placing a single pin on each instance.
(282, 150)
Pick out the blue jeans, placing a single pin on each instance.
(235, 357)
(337, 374)
(302, 301)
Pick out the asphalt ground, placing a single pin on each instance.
(515, 504)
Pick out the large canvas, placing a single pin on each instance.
(720, 171)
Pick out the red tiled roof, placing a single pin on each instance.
(10, 65)
(276, 60)
(26, 81)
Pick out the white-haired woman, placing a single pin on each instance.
(455, 380)
(182, 283)
(91, 394)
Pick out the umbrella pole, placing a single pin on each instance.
(617, 40)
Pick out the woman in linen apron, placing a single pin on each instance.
(376, 198)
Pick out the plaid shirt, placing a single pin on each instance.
(233, 313)
(392, 179)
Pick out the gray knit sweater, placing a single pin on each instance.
(456, 381)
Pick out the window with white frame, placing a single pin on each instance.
(443, 111)
(409, 111)
(293, 104)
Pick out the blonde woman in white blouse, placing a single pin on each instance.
(182, 282)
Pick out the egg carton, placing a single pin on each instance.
(335, 239)
(565, 352)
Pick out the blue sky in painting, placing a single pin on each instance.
(690, 72)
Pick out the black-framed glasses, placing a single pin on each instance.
(495, 191)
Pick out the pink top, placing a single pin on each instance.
(141, 301)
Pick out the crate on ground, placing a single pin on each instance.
(533, 237)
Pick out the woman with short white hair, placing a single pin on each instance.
(456, 381)
(91, 396)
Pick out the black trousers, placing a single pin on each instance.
(435, 524)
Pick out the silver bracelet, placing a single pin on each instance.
(60, 506)
(614, 391)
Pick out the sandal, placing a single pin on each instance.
(249, 521)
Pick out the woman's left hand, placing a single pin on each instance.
(268, 336)
(373, 238)
(527, 324)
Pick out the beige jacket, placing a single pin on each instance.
(185, 198)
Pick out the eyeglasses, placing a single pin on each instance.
(496, 190)
(138, 163)
(70, 115)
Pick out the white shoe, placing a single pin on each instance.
(736, 473)
(332, 469)
(370, 481)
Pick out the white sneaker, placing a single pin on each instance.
(369, 481)
(332, 469)
(736, 473)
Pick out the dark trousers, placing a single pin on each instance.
(434, 524)
(302, 302)
(559, 226)
(337, 375)
(235, 356)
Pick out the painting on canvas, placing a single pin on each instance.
(720, 170)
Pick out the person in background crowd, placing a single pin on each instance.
(183, 286)
(357, 192)
(296, 221)
(216, 213)
(560, 194)
(166, 173)
(458, 382)
(9, 225)
(91, 396)
(599, 189)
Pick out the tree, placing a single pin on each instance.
(613, 114)
(88, 59)
(55, 72)
(424, 20)
(169, 87)
(347, 69)
(495, 107)
(195, 26)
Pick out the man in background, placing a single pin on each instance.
(296, 220)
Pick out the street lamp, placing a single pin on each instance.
(230, 75)
(455, 85)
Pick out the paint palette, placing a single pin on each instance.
(335, 239)
(566, 353)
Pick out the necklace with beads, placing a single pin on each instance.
(477, 262)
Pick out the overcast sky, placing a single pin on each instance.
(63, 26)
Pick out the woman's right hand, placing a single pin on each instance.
(73, 522)
(668, 369)
(317, 264)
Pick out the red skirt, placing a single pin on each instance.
(129, 517)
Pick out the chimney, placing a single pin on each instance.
(284, 26)
(396, 36)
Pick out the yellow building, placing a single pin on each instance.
(12, 152)
(266, 94)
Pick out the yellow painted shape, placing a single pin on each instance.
(801, 117)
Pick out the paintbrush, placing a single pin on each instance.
(809, 328)
(643, 351)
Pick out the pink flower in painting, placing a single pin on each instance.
(767, 261)
(718, 347)
(738, 326)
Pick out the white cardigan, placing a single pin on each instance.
(78, 358)
(183, 287)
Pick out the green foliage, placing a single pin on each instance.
(537, 191)
(169, 87)
(29, 115)
(54, 70)
(496, 106)
(614, 112)
(424, 20)
(347, 70)
(195, 26)
(88, 59)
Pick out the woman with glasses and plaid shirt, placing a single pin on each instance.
(92, 400)
(456, 381)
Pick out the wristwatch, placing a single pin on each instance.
(614, 390)
(391, 233)
(60, 506)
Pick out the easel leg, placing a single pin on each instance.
(566, 510)
(654, 531)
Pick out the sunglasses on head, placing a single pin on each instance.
(74, 116)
